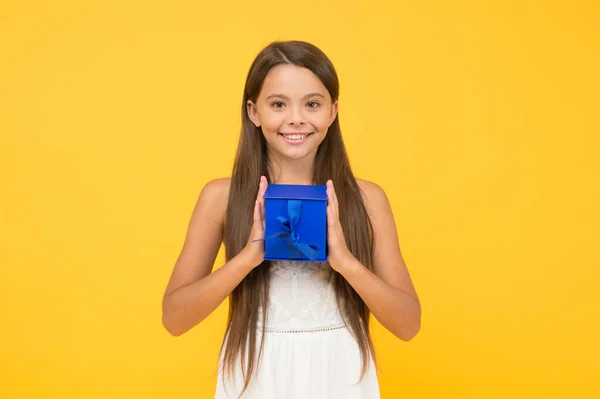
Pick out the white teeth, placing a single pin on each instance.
(295, 136)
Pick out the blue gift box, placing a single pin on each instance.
(296, 223)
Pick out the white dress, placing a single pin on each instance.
(299, 362)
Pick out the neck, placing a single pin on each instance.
(291, 171)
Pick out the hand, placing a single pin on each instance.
(338, 253)
(255, 251)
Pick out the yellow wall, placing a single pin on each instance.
(479, 120)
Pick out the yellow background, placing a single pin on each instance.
(479, 119)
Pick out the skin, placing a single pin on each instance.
(194, 292)
(306, 107)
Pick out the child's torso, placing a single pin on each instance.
(301, 297)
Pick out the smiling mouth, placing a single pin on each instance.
(295, 136)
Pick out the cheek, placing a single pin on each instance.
(272, 122)
(321, 122)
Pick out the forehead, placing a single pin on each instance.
(292, 80)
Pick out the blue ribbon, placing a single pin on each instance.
(289, 226)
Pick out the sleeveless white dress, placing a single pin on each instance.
(308, 352)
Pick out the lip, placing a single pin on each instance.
(295, 142)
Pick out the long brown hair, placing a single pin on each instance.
(251, 161)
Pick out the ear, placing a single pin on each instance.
(334, 111)
(252, 113)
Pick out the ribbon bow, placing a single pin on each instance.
(289, 226)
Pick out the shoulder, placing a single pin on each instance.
(372, 193)
(214, 197)
(376, 201)
(218, 187)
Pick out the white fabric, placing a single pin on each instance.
(298, 363)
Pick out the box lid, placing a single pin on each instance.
(296, 191)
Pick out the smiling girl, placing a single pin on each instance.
(295, 329)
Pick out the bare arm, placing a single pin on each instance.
(396, 309)
(193, 292)
(387, 290)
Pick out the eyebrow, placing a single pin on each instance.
(286, 98)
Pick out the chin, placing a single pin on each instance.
(296, 153)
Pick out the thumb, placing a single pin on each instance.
(258, 225)
(257, 218)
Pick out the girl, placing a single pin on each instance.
(295, 329)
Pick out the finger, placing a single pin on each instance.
(262, 199)
(260, 185)
(329, 196)
(330, 218)
(262, 188)
(261, 216)
(335, 198)
(256, 214)
(334, 201)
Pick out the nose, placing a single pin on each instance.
(296, 117)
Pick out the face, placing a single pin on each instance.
(294, 111)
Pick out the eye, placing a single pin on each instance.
(276, 103)
(316, 104)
